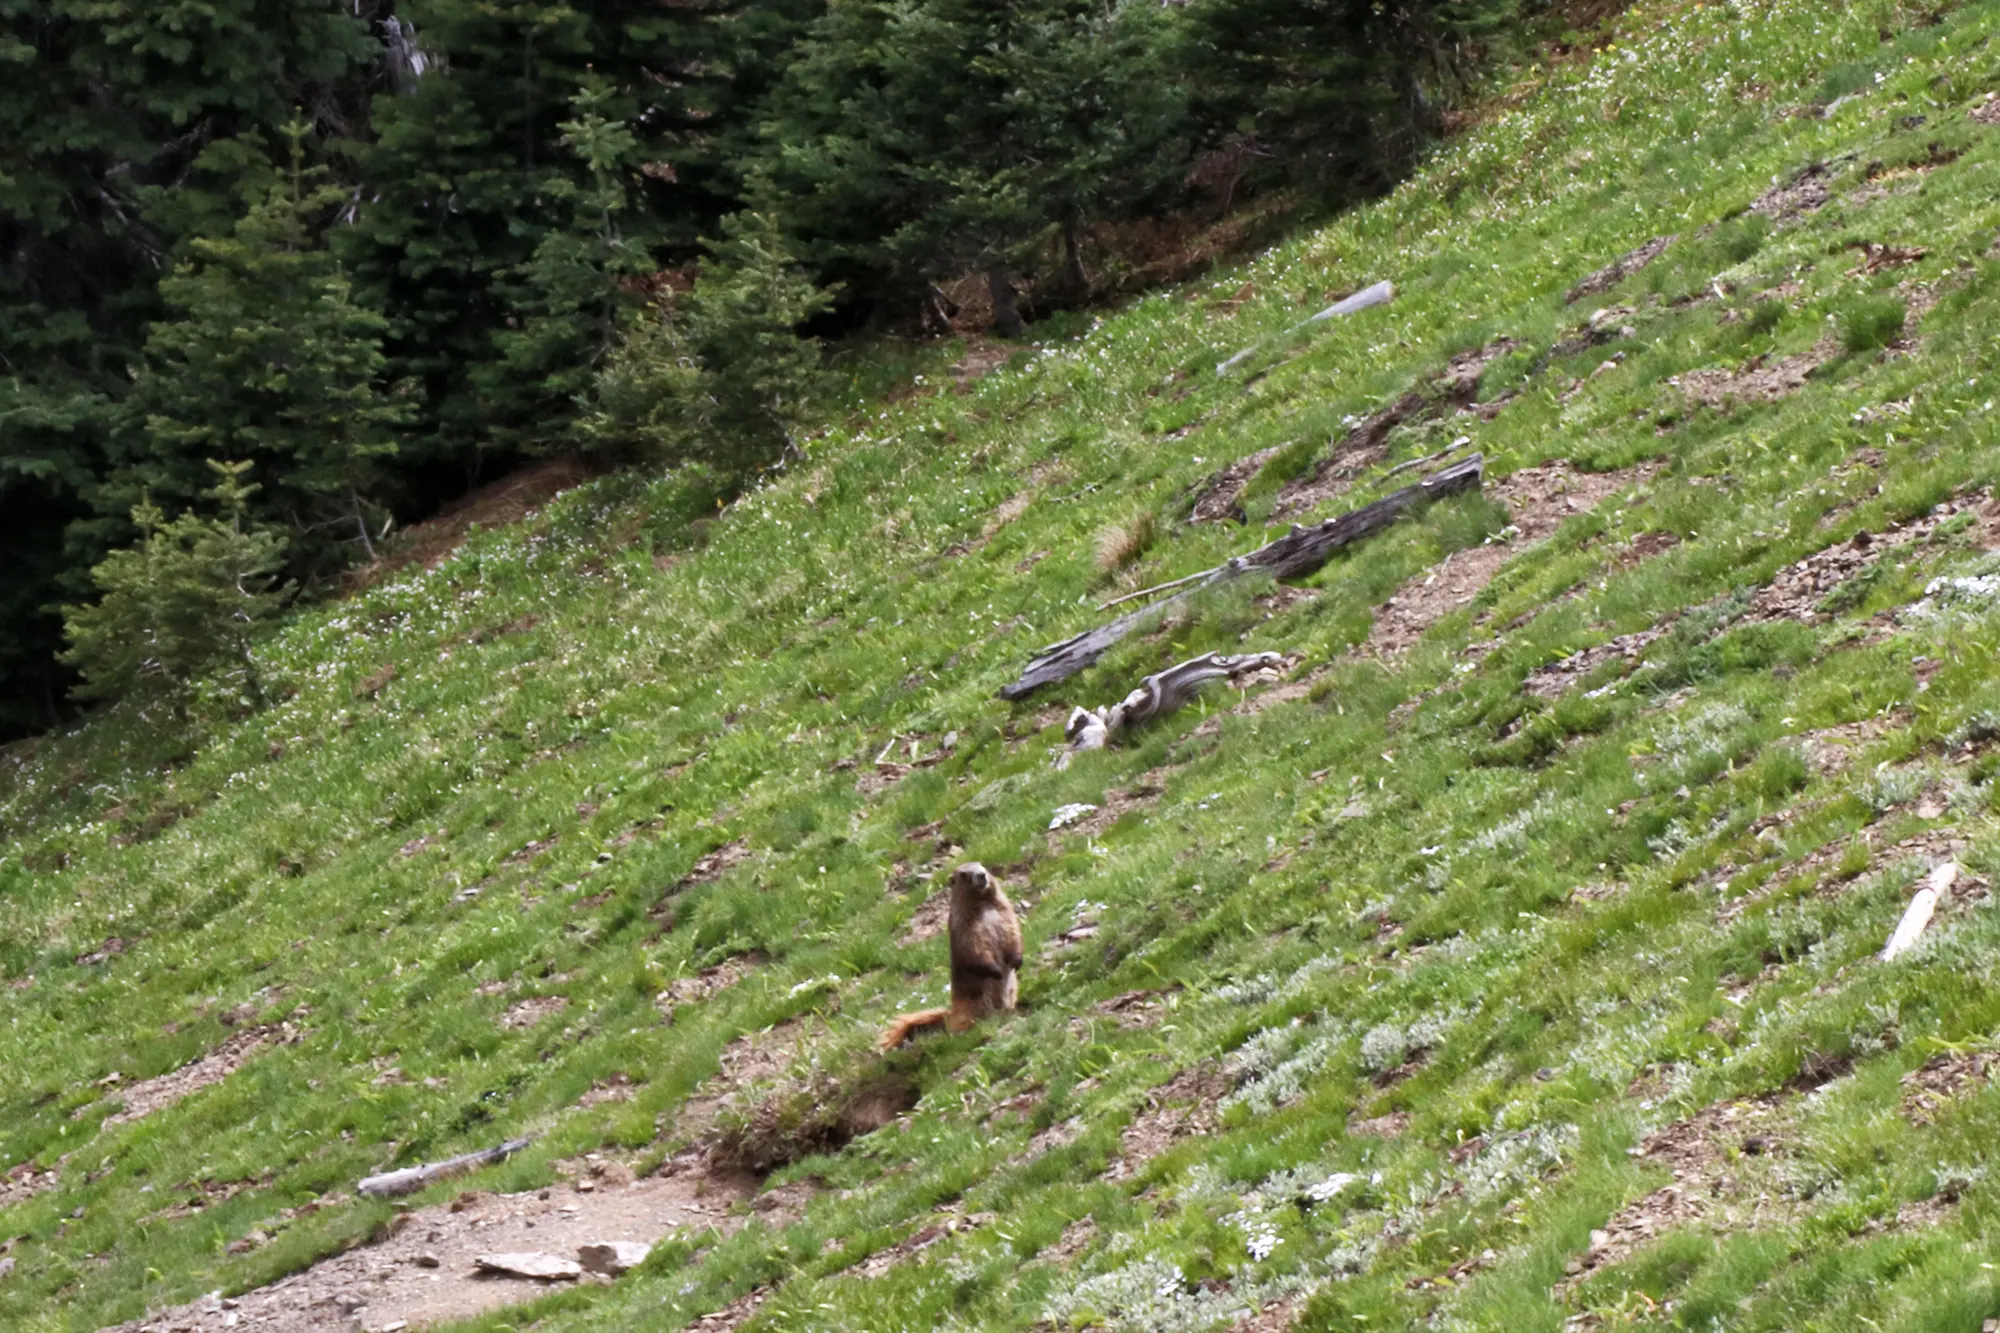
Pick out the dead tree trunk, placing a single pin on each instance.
(1294, 555)
(1006, 308)
(1076, 282)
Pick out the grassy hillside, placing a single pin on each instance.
(1510, 964)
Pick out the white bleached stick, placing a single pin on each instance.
(1918, 914)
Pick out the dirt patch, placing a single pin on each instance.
(1538, 499)
(706, 983)
(1943, 1078)
(1558, 678)
(1758, 380)
(1138, 1008)
(1807, 192)
(1379, 1127)
(496, 504)
(1187, 1104)
(1113, 806)
(1644, 547)
(982, 357)
(1714, 1156)
(1800, 590)
(156, 1094)
(715, 865)
(1987, 112)
(1619, 269)
(1220, 497)
(532, 1011)
(931, 920)
(1273, 1318)
(1075, 1239)
(1455, 388)
(731, 1316)
(754, 1057)
(953, 1222)
(22, 1182)
(427, 1271)
(1830, 750)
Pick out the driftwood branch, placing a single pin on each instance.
(1918, 914)
(1294, 555)
(1379, 294)
(393, 1184)
(1161, 693)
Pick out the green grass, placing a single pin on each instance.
(1381, 877)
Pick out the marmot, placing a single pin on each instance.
(985, 957)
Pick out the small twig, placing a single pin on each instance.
(1428, 459)
(1157, 587)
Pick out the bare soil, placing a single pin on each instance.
(1805, 193)
(706, 983)
(1220, 497)
(1455, 388)
(496, 504)
(24, 1181)
(1715, 1157)
(1186, 1104)
(1758, 380)
(1075, 1239)
(1944, 1078)
(1538, 500)
(426, 1272)
(753, 1058)
(533, 1011)
(951, 1222)
(1113, 806)
(156, 1094)
(1273, 1318)
(731, 1316)
(930, 920)
(1619, 269)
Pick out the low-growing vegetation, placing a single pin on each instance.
(1518, 971)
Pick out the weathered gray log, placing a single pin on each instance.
(1294, 555)
(1161, 693)
(393, 1184)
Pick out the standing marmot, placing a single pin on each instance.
(985, 956)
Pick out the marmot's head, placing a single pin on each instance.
(973, 880)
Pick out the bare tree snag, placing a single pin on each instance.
(393, 1184)
(1294, 555)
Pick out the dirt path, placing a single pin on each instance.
(427, 1271)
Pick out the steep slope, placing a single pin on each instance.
(1511, 963)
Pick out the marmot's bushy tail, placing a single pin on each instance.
(901, 1030)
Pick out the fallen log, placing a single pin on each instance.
(1379, 294)
(1161, 693)
(1298, 553)
(394, 1184)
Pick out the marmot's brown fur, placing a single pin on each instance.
(985, 957)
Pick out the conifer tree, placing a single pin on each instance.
(573, 284)
(915, 141)
(182, 602)
(271, 360)
(720, 377)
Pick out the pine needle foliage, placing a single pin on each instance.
(270, 359)
(183, 602)
(720, 377)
